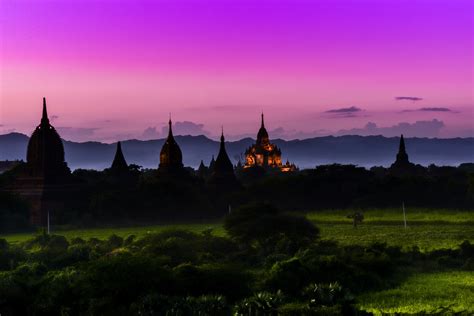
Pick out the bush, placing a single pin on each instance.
(269, 229)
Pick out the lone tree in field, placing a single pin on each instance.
(266, 227)
(357, 218)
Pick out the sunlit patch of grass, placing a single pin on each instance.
(427, 229)
(104, 233)
(426, 237)
(441, 292)
(395, 216)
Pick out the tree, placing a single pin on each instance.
(266, 227)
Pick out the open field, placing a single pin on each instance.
(415, 288)
(427, 229)
(439, 292)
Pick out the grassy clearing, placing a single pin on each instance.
(104, 233)
(442, 292)
(395, 217)
(426, 237)
(427, 229)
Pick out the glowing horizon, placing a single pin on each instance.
(113, 70)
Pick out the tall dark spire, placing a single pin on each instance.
(44, 118)
(402, 156)
(170, 155)
(262, 135)
(401, 148)
(170, 130)
(119, 163)
(223, 171)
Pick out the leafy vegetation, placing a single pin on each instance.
(436, 293)
(256, 265)
(427, 229)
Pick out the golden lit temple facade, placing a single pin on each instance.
(265, 154)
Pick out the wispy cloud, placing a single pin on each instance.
(77, 133)
(150, 133)
(414, 99)
(179, 128)
(352, 111)
(431, 109)
(418, 129)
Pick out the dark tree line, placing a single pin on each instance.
(142, 196)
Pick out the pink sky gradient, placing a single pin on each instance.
(112, 69)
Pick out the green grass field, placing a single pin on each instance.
(444, 293)
(438, 291)
(427, 229)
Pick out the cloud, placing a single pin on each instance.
(414, 99)
(186, 128)
(352, 111)
(418, 129)
(54, 117)
(432, 109)
(282, 133)
(150, 133)
(77, 133)
(179, 128)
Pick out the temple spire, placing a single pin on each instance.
(119, 163)
(263, 124)
(170, 131)
(401, 148)
(44, 118)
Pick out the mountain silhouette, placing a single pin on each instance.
(360, 150)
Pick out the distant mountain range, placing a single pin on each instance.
(360, 150)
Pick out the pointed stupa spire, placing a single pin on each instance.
(171, 156)
(223, 170)
(402, 156)
(401, 148)
(262, 135)
(170, 130)
(201, 165)
(44, 117)
(119, 162)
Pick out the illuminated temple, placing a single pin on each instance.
(265, 154)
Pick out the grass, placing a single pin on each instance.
(441, 292)
(104, 233)
(427, 229)
(435, 292)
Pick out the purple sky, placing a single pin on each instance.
(114, 70)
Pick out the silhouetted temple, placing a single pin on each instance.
(402, 165)
(119, 164)
(171, 158)
(222, 173)
(46, 177)
(265, 154)
(45, 154)
(202, 171)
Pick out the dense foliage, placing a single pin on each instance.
(142, 196)
(178, 272)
